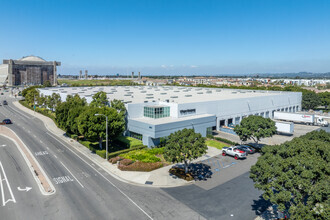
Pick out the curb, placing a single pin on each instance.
(33, 171)
(68, 140)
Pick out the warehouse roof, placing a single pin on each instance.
(149, 94)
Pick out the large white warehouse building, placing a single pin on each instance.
(155, 112)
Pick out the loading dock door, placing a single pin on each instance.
(222, 123)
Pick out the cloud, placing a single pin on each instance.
(194, 66)
(163, 66)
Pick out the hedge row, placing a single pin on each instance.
(42, 111)
(223, 140)
(117, 153)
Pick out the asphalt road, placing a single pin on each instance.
(85, 191)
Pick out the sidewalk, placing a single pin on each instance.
(156, 178)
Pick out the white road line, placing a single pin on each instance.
(34, 136)
(55, 156)
(20, 113)
(104, 178)
(72, 175)
(40, 141)
(8, 185)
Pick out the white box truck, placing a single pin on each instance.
(284, 127)
(309, 119)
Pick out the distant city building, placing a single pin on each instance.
(30, 70)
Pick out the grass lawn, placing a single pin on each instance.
(216, 144)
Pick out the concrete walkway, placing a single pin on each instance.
(155, 178)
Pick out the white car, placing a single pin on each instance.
(233, 151)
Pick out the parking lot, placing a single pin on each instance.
(221, 169)
(299, 129)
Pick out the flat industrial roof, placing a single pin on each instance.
(142, 94)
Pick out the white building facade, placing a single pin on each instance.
(156, 112)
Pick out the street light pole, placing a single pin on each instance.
(106, 151)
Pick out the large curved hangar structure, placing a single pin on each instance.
(29, 70)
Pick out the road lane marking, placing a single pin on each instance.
(27, 189)
(20, 113)
(144, 212)
(55, 156)
(40, 141)
(8, 186)
(34, 136)
(41, 153)
(62, 179)
(72, 175)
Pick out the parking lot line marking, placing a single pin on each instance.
(55, 156)
(72, 175)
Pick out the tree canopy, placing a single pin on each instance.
(100, 100)
(183, 146)
(119, 106)
(310, 100)
(94, 127)
(255, 127)
(295, 175)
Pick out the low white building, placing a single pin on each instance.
(155, 112)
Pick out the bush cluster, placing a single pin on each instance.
(114, 160)
(222, 140)
(125, 162)
(144, 155)
(140, 166)
(117, 153)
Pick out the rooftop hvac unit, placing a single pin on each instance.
(127, 95)
(218, 90)
(145, 101)
(208, 91)
(233, 92)
(188, 95)
(174, 97)
(200, 92)
(176, 91)
(143, 91)
(163, 93)
(150, 94)
(149, 97)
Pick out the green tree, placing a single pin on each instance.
(183, 146)
(31, 96)
(255, 127)
(324, 98)
(50, 102)
(119, 106)
(295, 175)
(94, 127)
(62, 110)
(41, 100)
(99, 100)
(47, 84)
(310, 100)
(73, 114)
(57, 99)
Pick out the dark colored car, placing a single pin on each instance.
(6, 121)
(247, 149)
(255, 146)
(5, 102)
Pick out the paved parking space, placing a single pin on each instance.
(224, 169)
(299, 129)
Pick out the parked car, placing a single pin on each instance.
(6, 121)
(233, 151)
(257, 147)
(247, 149)
(5, 102)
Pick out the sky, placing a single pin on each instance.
(170, 37)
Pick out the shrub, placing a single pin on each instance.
(117, 153)
(141, 155)
(156, 151)
(115, 159)
(140, 166)
(125, 162)
(179, 172)
(101, 153)
(210, 136)
(74, 136)
(128, 141)
(226, 141)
